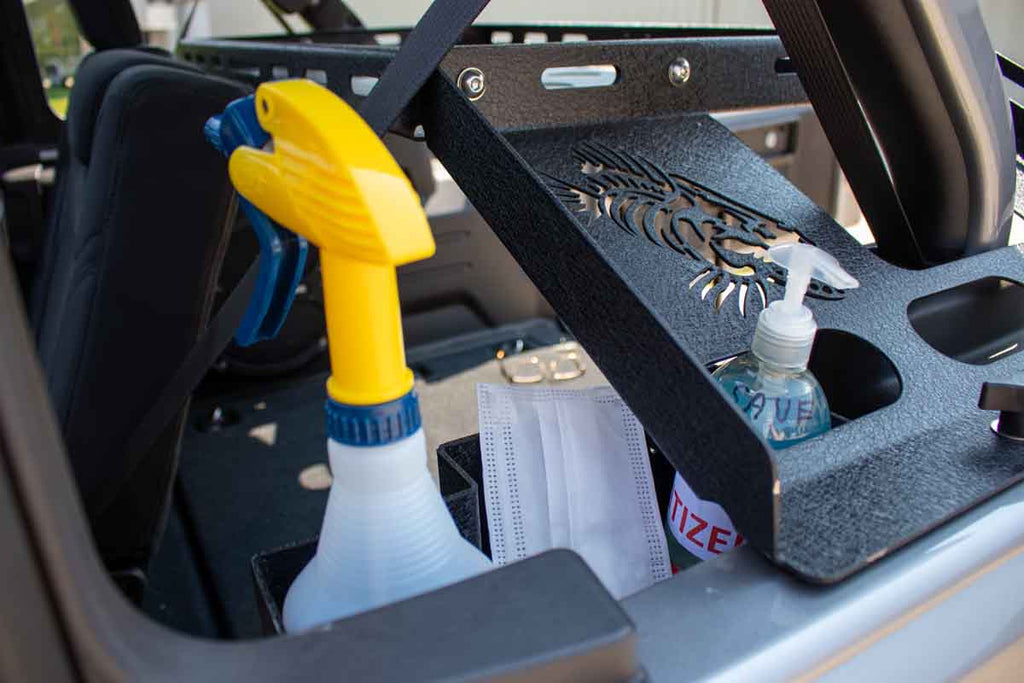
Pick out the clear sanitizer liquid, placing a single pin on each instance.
(772, 386)
(785, 405)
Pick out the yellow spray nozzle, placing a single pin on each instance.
(329, 178)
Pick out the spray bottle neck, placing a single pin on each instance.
(364, 328)
(376, 470)
(373, 425)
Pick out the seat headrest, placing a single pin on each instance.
(107, 24)
(91, 83)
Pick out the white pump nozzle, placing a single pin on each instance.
(785, 330)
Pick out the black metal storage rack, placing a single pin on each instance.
(638, 216)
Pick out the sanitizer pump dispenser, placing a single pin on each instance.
(771, 383)
(325, 175)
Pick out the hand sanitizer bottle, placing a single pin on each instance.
(774, 389)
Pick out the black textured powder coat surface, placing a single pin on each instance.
(823, 508)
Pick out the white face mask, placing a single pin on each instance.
(570, 469)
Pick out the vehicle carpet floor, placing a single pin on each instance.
(239, 489)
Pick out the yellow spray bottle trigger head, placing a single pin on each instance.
(328, 177)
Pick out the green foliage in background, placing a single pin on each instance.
(57, 96)
(58, 46)
(54, 32)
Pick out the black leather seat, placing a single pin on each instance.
(136, 237)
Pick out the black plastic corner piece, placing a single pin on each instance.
(539, 618)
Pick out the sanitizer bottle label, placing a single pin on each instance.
(700, 528)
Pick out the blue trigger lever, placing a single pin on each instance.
(282, 252)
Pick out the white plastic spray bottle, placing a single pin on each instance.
(774, 389)
(386, 534)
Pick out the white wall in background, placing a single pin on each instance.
(1005, 18)
(746, 12)
(243, 17)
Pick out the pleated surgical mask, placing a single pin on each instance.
(570, 469)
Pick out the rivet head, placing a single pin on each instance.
(471, 83)
(679, 72)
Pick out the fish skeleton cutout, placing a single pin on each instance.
(727, 242)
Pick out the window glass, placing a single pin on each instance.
(59, 48)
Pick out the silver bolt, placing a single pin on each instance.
(679, 72)
(471, 83)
